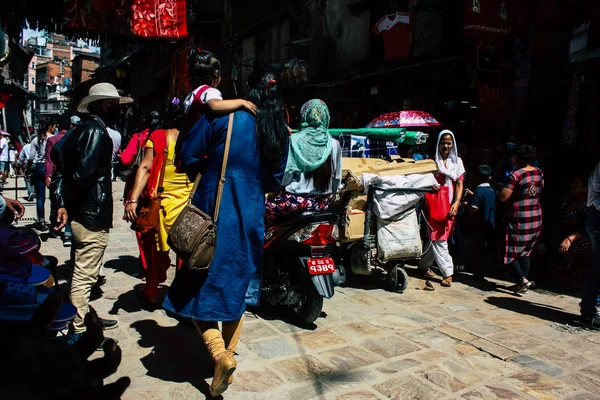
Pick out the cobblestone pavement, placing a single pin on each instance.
(456, 343)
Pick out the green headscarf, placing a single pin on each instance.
(311, 145)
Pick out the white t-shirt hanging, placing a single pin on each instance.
(208, 95)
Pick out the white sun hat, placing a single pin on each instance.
(101, 91)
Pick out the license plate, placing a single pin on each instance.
(320, 266)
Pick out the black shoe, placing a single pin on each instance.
(109, 324)
(67, 241)
(43, 226)
(522, 287)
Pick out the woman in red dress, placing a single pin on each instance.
(451, 174)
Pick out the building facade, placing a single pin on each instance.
(50, 73)
(53, 79)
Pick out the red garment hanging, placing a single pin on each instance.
(396, 30)
(181, 85)
(487, 21)
(4, 99)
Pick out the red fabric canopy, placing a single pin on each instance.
(145, 18)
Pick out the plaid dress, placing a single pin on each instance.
(524, 213)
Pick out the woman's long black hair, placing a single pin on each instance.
(322, 175)
(153, 120)
(43, 134)
(271, 120)
(523, 154)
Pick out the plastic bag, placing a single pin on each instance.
(388, 204)
(438, 204)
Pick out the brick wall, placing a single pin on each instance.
(84, 67)
(53, 70)
(89, 65)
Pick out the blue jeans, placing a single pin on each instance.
(68, 233)
(591, 285)
(39, 182)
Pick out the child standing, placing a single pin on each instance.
(483, 209)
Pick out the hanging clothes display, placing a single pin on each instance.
(487, 21)
(181, 85)
(396, 31)
(145, 18)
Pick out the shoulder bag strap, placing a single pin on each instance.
(159, 189)
(194, 187)
(223, 168)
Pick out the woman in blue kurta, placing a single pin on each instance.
(257, 159)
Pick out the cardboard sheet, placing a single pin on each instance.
(381, 167)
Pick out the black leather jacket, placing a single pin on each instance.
(85, 188)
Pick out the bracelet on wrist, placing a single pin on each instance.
(131, 202)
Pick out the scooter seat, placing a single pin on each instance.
(307, 217)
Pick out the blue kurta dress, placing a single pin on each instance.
(219, 293)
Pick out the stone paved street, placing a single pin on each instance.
(457, 343)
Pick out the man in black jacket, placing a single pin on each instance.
(84, 194)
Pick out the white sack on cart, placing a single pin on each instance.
(386, 204)
(399, 238)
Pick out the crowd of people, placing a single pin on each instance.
(266, 171)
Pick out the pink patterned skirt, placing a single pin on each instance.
(283, 203)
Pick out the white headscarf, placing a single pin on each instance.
(454, 167)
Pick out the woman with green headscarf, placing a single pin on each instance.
(314, 167)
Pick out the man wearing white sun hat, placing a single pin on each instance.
(84, 194)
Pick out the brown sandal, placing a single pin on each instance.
(447, 282)
(429, 274)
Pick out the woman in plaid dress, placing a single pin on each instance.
(524, 214)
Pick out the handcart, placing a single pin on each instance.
(387, 242)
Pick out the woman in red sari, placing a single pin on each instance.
(129, 158)
(156, 177)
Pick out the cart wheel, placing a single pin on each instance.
(397, 279)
